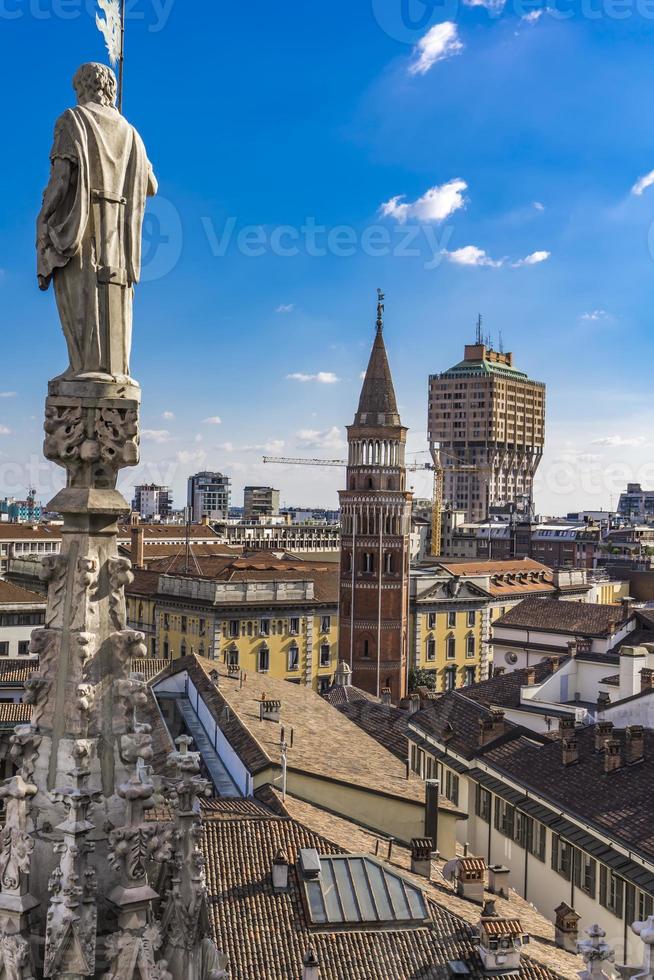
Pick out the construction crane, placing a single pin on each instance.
(292, 461)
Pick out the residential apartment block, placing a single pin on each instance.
(28, 541)
(152, 502)
(208, 496)
(488, 419)
(263, 615)
(20, 613)
(260, 502)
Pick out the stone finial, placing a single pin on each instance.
(596, 954)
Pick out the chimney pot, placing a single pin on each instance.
(570, 750)
(491, 727)
(138, 546)
(280, 872)
(414, 703)
(555, 663)
(566, 927)
(572, 648)
(421, 853)
(634, 744)
(603, 734)
(386, 695)
(647, 679)
(612, 755)
(270, 710)
(311, 966)
(566, 726)
(214, 676)
(530, 676)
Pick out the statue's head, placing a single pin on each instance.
(94, 82)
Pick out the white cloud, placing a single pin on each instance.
(270, 446)
(285, 308)
(643, 183)
(4, 431)
(213, 420)
(533, 259)
(7, 394)
(436, 204)
(493, 5)
(168, 416)
(156, 435)
(198, 437)
(326, 439)
(322, 377)
(594, 315)
(440, 42)
(197, 456)
(619, 441)
(226, 447)
(538, 206)
(471, 255)
(532, 16)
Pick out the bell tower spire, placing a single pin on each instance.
(375, 530)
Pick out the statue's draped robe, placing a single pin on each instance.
(93, 239)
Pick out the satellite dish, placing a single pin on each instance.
(450, 869)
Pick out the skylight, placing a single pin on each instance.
(356, 889)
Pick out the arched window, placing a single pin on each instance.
(431, 648)
(368, 561)
(388, 562)
(182, 649)
(264, 660)
(325, 655)
(365, 648)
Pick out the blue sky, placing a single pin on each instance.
(466, 158)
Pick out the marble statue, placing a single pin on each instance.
(89, 227)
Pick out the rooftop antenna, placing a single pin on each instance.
(501, 343)
(380, 309)
(479, 322)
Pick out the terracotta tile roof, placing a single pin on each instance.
(386, 723)
(325, 742)
(559, 616)
(164, 532)
(16, 672)
(619, 803)
(15, 595)
(155, 550)
(14, 714)
(234, 809)
(266, 934)
(150, 668)
(347, 835)
(510, 577)
(27, 532)
(256, 569)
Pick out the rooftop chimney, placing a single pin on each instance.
(343, 675)
(555, 663)
(612, 755)
(634, 744)
(138, 546)
(603, 733)
(280, 872)
(566, 726)
(214, 677)
(566, 927)
(572, 648)
(491, 727)
(421, 854)
(647, 679)
(270, 710)
(414, 703)
(530, 676)
(632, 660)
(386, 695)
(570, 750)
(311, 966)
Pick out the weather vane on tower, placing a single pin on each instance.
(380, 309)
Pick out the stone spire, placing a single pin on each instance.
(76, 841)
(377, 403)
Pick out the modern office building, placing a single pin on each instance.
(488, 418)
(260, 502)
(152, 502)
(636, 504)
(208, 496)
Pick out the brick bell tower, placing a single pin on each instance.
(375, 530)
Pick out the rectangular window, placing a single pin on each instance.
(184, 624)
(233, 628)
(450, 679)
(504, 817)
(562, 857)
(294, 658)
(451, 648)
(294, 626)
(470, 647)
(264, 627)
(431, 649)
(431, 621)
(325, 624)
(264, 660)
(203, 627)
(166, 621)
(536, 837)
(585, 872)
(325, 655)
(4, 649)
(471, 617)
(23, 648)
(232, 658)
(470, 676)
(483, 804)
(611, 891)
(645, 906)
(451, 620)
(452, 787)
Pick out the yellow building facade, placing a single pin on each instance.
(281, 627)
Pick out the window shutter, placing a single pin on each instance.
(592, 875)
(619, 896)
(577, 863)
(602, 888)
(555, 852)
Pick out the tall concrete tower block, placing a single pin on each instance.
(489, 420)
(375, 530)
